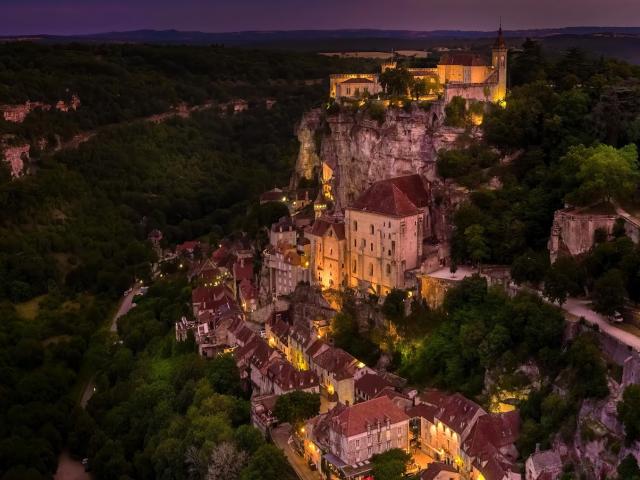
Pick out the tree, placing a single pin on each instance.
(609, 293)
(396, 81)
(563, 279)
(588, 369)
(530, 267)
(604, 172)
(476, 244)
(268, 463)
(393, 306)
(628, 468)
(629, 412)
(456, 112)
(419, 88)
(296, 407)
(226, 462)
(248, 438)
(390, 465)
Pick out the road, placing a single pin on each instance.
(581, 308)
(70, 469)
(125, 305)
(280, 437)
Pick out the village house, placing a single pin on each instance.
(262, 408)
(328, 252)
(286, 268)
(369, 386)
(342, 441)
(543, 465)
(462, 74)
(440, 471)
(457, 431)
(385, 229)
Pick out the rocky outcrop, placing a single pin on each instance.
(16, 157)
(361, 150)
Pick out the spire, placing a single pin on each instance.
(499, 43)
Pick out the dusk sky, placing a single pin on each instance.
(91, 16)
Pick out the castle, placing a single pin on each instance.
(461, 74)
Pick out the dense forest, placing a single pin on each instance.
(73, 238)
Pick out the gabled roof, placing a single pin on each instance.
(283, 374)
(397, 197)
(322, 225)
(335, 360)
(357, 418)
(371, 384)
(357, 80)
(464, 59)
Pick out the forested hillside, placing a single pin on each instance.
(73, 235)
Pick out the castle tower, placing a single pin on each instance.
(499, 62)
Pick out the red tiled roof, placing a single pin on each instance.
(336, 361)
(398, 197)
(355, 419)
(243, 270)
(247, 290)
(188, 246)
(371, 384)
(464, 59)
(316, 347)
(274, 195)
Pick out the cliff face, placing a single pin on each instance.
(361, 150)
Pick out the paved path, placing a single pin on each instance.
(70, 469)
(582, 308)
(125, 306)
(280, 437)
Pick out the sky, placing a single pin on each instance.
(93, 16)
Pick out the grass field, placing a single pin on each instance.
(29, 310)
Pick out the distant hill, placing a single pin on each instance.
(620, 42)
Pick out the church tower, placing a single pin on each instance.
(499, 62)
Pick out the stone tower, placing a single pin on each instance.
(499, 62)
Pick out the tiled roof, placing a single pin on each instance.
(357, 418)
(247, 290)
(243, 270)
(357, 80)
(322, 225)
(547, 460)
(188, 246)
(283, 374)
(434, 468)
(398, 197)
(316, 347)
(464, 59)
(371, 384)
(336, 361)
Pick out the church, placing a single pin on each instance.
(461, 74)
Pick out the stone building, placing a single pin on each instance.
(462, 74)
(341, 442)
(328, 252)
(574, 228)
(286, 268)
(385, 230)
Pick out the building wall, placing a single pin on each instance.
(336, 79)
(363, 446)
(328, 259)
(380, 249)
(499, 62)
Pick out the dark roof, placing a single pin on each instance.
(355, 419)
(321, 227)
(434, 468)
(371, 384)
(358, 80)
(499, 43)
(398, 197)
(464, 59)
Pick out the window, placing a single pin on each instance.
(355, 242)
(388, 269)
(358, 443)
(371, 269)
(372, 246)
(371, 229)
(393, 246)
(369, 451)
(355, 226)
(355, 265)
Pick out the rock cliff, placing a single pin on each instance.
(362, 150)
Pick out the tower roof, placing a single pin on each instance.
(499, 43)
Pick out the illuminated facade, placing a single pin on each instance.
(328, 251)
(458, 74)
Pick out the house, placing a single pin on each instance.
(342, 441)
(286, 268)
(262, 408)
(328, 252)
(457, 431)
(283, 232)
(543, 465)
(189, 248)
(248, 296)
(385, 229)
(369, 386)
